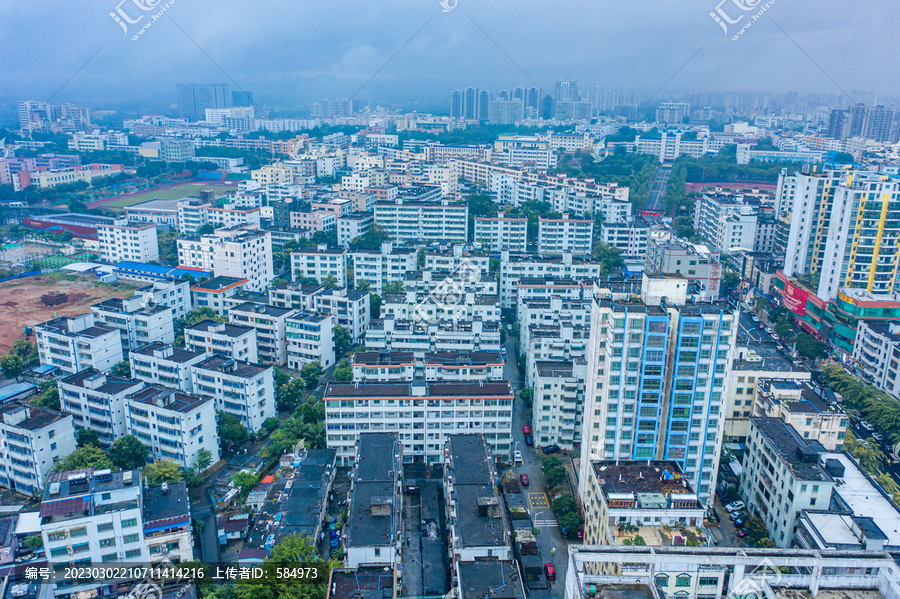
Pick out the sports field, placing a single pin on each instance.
(173, 192)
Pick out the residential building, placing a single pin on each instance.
(310, 338)
(698, 264)
(214, 293)
(657, 377)
(806, 408)
(123, 241)
(463, 305)
(195, 98)
(558, 402)
(269, 322)
(164, 364)
(167, 523)
(235, 252)
(33, 438)
(650, 499)
(783, 475)
(162, 213)
(726, 221)
(448, 365)
(419, 335)
(876, 352)
(502, 233)
(139, 321)
(222, 339)
(350, 309)
(241, 389)
(478, 528)
(564, 340)
(422, 413)
(353, 225)
(421, 220)
(171, 293)
(98, 402)
(565, 236)
(372, 536)
(380, 267)
(513, 268)
(323, 265)
(74, 343)
(173, 425)
(175, 150)
(92, 516)
(630, 238)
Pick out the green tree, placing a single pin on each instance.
(342, 339)
(122, 369)
(420, 258)
(330, 281)
(87, 436)
(270, 424)
(757, 533)
(343, 371)
(527, 396)
(280, 377)
(310, 373)
(869, 456)
(204, 460)
(206, 229)
(554, 471)
(127, 453)
(231, 431)
(375, 305)
(393, 287)
(245, 481)
(49, 396)
(565, 504)
(635, 540)
(193, 317)
(12, 366)
(289, 395)
(27, 351)
(89, 456)
(295, 548)
(34, 542)
(372, 240)
(363, 285)
(610, 258)
(162, 471)
(571, 521)
(810, 347)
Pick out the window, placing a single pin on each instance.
(683, 580)
(111, 542)
(662, 580)
(129, 523)
(131, 538)
(708, 581)
(131, 553)
(105, 527)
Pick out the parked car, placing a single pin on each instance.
(878, 437)
(529, 440)
(734, 506)
(741, 532)
(550, 571)
(737, 514)
(581, 533)
(769, 330)
(526, 429)
(866, 426)
(740, 522)
(523, 478)
(517, 457)
(755, 318)
(551, 449)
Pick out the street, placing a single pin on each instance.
(538, 503)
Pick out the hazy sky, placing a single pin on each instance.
(290, 53)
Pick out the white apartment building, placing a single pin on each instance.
(92, 516)
(120, 241)
(380, 267)
(630, 238)
(513, 268)
(460, 366)
(799, 404)
(558, 402)
(876, 351)
(320, 264)
(783, 474)
(164, 364)
(75, 343)
(423, 414)
(33, 438)
(502, 233)
(552, 311)
(416, 220)
(239, 388)
(194, 213)
(420, 335)
(310, 338)
(222, 339)
(350, 309)
(353, 225)
(173, 425)
(236, 252)
(98, 402)
(466, 306)
(458, 259)
(726, 221)
(269, 322)
(565, 236)
(171, 293)
(167, 523)
(215, 293)
(563, 340)
(138, 323)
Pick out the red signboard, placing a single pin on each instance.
(795, 299)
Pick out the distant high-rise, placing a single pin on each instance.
(533, 97)
(484, 102)
(836, 121)
(241, 98)
(503, 95)
(456, 104)
(518, 93)
(505, 112)
(672, 112)
(857, 120)
(195, 98)
(546, 107)
(470, 103)
(33, 113)
(878, 123)
(566, 91)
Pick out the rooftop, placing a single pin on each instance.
(798, 454)
(405, 389)
(658, 477)
(232, 367)
(221, 328)
(33, 417)
(765, 357)
(168, 399)
(490, 578)
(166, 351)
(218, 284)
(97, 381)
(166, 507)
(266, 309)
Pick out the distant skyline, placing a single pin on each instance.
(411, 54)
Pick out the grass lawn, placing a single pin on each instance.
(173, 193)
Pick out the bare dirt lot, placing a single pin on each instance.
(20, 301)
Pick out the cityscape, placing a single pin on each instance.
(449, 301)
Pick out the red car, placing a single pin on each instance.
(526, 429)
(741, 533)
(581, 533)
(550, 571)
(523, 478)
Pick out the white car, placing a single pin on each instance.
(734, 506)
(755, 318)
(769, 330)
(517, 457)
